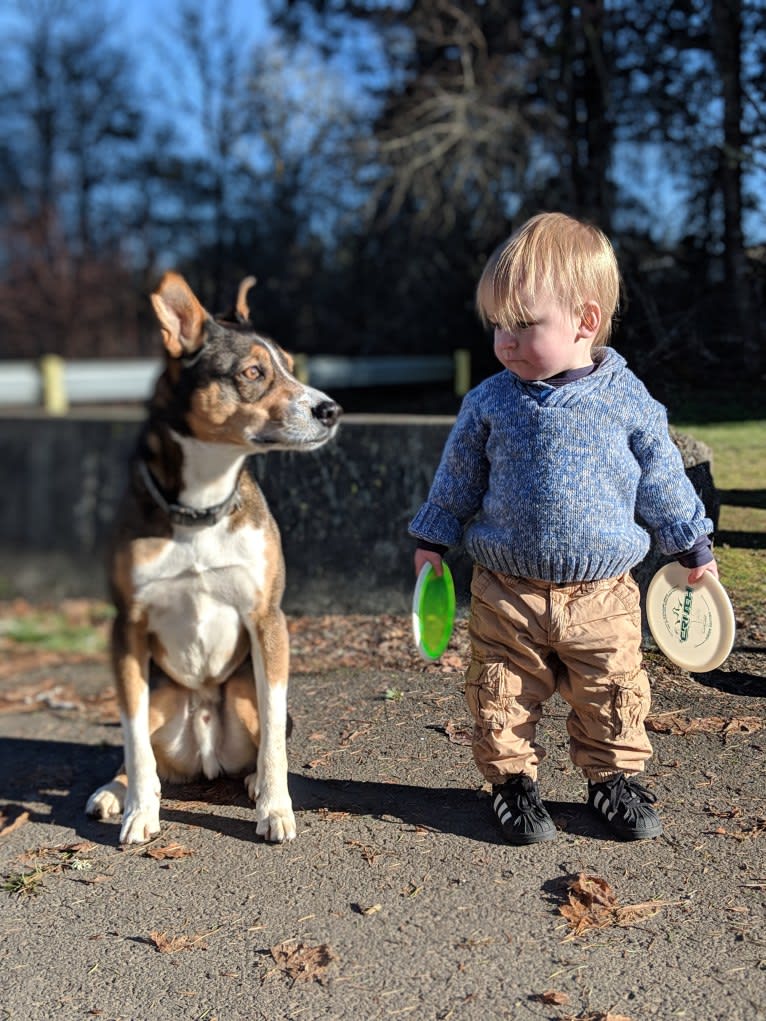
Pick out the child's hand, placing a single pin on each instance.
(696, 573)
(425, 556)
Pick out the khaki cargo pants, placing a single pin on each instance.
(531, 638)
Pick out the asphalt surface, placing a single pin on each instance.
(398, 898)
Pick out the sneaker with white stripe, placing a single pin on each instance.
(520, 811)
(625, 805)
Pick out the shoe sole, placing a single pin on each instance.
(632, 835)
(525, 839)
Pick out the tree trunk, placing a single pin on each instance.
(726, 25)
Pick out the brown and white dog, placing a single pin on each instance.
(197, 572)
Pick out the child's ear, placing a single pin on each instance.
(590, 320)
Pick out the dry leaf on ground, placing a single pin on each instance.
(376, 640)
(49, 694)
(553, 998)
(746, 831)
(169, 851)
(373, 909)
(303, 963)
(165, 944)
(685, 726)
(597, 1015)
(67, 851)
(592, 904)
(458, 734)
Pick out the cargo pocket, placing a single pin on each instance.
(481, 579)
(491, 691)
(631, 702)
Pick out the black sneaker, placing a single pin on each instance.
(626, 806)
(519, 809)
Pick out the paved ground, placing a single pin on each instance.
(398, 899)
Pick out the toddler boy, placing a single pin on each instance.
(544, 474)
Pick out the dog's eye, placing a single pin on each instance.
(253, 373)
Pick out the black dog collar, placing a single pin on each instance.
(179, 513)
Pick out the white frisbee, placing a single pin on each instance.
(692, 624)
(433, 611)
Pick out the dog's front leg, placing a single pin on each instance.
(268, 785)
(141, 816)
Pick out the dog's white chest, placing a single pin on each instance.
(199, 593)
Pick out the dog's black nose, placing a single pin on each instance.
(328, 412)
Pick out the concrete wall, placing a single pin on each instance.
(343, 510)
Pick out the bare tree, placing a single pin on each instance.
(460, 135)
(70, 105)
(726, 25)
(206, 76)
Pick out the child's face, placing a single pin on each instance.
(551, 340)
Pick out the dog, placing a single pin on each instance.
(199, 641)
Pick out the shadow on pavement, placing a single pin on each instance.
(734, 682)
(58, 776)
(46, 773)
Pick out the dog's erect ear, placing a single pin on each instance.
(243, 310)
(182, 318)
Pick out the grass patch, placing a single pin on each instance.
(739, 451)
(743, 572)
(739, 472)
(79, 628)
(51, 634)
(24, 884)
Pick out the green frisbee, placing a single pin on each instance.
(433, 611)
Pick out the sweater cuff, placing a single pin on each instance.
(436, 525)
(679, 538)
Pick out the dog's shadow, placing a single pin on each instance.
(44, 773)
(453, 811)
(44, 781)
(461, 812)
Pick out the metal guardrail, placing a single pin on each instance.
(54, 383)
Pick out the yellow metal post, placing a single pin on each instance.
(462, 379)
(55, 399)
(301, 368)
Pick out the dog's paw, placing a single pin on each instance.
(276, 824)
(107, 802)
(140, 825)
(275, 821)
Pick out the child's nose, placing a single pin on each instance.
(505, 338)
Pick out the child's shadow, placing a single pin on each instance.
(61, 775)
(575, 817)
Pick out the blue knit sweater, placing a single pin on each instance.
(547, 482)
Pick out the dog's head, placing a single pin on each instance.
(226, 383)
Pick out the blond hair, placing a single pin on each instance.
(551, 254)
